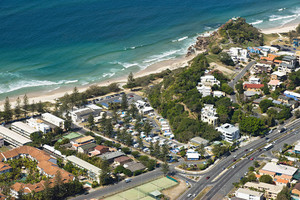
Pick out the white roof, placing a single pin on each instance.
(24, 127)
(278, 73)
(49, 115)
(192, 155)
(297, 147)
(266, 186)
(249, 192)
(84, 164)
(94, 107)
(147, 109)
(6, 133)
(229, 128)
(282, 169)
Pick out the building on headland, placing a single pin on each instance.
(13, 138)
(48, 117)
(208, 80)
(273, 84)
(293, 95)
(219, 94)
(277, 75)
(23, 129)
(262, 67)
(270, 191)
(247, 194)
(209, 114)
(39, 125)
(204, 90)
(253, 87)
(238, 54)
(229, 132)
(92, 171)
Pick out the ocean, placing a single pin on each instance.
(46, 45)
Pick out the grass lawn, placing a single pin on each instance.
(4, 148)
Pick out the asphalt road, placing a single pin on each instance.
(223, 184)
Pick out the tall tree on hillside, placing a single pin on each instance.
(124, 103)
(32, 107)
(75, 97)
(105, 172)
(7, 110)
(25, 104)
(130, 81)
(147, 128)
(91, 121)
(18, 107)
(201, 150)
(165, 168)
(40, 107)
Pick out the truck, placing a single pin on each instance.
(269, 146)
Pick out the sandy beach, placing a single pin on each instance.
(152, 69)
(281, 29)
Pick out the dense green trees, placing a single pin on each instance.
(130, 81)
(266, 179)
(178, 100)
(240, 32)
(226, 59)
(284, 194)
(252, 126)
(265, 104)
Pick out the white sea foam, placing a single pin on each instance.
(281, 9)
(257, 22)
(108, 75)
(32, 83)
(180, 39)
(159, 57)
(279, 17)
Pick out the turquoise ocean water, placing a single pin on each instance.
(45, 45)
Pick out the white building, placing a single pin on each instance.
(204, 90)
(23, 129)
(219, 94)
(144, 107)
(92, 171)
(38, 125)
(191, 154)
(230, 132)
(208, 80)
(270, 190)
(254, 80)
(1, 141)
(12, 137)
(53, 120)
(209, 114)
(247, 194)
(238, 54)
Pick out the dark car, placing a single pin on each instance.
(208, 177)
(233, 160)
(251, 158)
(246, 149)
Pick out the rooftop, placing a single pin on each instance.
(250, 192)
(282, 169)
(266, 186)
(134, 166)
(111, 155)
(83, 164)
(84, 139)
(258, 86)
(13, 135)
(24, 127)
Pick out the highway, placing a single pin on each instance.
(223, 184)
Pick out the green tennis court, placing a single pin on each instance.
(142, 192)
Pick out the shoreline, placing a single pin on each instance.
(50, 96)
(182, 61)
(281, 29)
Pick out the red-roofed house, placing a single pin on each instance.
(121, 160)
(253, 87)
(100, 149)
(273, 84)
(4, 168)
